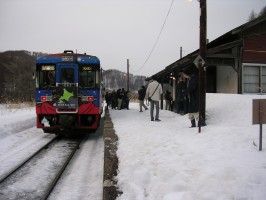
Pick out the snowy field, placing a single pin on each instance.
(168, 161)
(165, 160)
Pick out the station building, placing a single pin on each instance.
(235, 63)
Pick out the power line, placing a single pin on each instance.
(153, 48)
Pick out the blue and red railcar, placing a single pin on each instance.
(68, 92)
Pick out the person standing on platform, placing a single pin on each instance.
(192, 91)
(153, 93)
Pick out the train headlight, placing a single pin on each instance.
(87, 98)
(90, 98)
(46, 98)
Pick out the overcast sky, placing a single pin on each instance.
(117, 30)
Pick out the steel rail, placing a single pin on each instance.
(61, 171)
(12, 171)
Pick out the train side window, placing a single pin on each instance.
(97, 80)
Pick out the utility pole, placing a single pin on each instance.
(127, 74)
(202, 66)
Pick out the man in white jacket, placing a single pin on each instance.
(154, 91)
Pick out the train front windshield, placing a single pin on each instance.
(67, 75)
(89, 78)
(45, 77)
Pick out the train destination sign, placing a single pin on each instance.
(48, 68)
(67, 58)
(86, 68)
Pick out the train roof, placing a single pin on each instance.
(68, 56)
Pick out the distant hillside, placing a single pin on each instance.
(16, 75)
(114, 79)
(16, 81)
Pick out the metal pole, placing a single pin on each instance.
(202, 53)
(261, 121)
(127, 74)
(200, 96)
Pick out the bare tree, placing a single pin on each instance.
(254, 15)
(263, 11)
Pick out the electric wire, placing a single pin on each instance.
(153, 48)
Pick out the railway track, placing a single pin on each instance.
(17, 167)
(45, 165)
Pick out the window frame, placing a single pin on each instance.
(261, 83)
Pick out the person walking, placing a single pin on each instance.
(142, 92)
(192, 91)
(153, 93)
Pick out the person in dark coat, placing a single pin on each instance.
(108, 99)
(192, 91)
(181, 99)
(123, 93)
(114, 100)
(120, 96)
(168, 100)
(142, 92)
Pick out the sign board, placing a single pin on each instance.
(196, 61)
(259, 111)
(259, 115)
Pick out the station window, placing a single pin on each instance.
(254, 78)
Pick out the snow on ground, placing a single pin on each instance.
(14, 120)
(19, 137)
(168, 161)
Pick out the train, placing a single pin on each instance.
(68, 92)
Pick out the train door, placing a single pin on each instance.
(66, 88)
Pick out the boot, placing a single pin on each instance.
(202, 122)
(193, 123)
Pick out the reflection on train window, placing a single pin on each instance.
(67, 75)
(45, 79)
(87, 79)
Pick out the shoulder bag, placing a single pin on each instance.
(149, 98)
